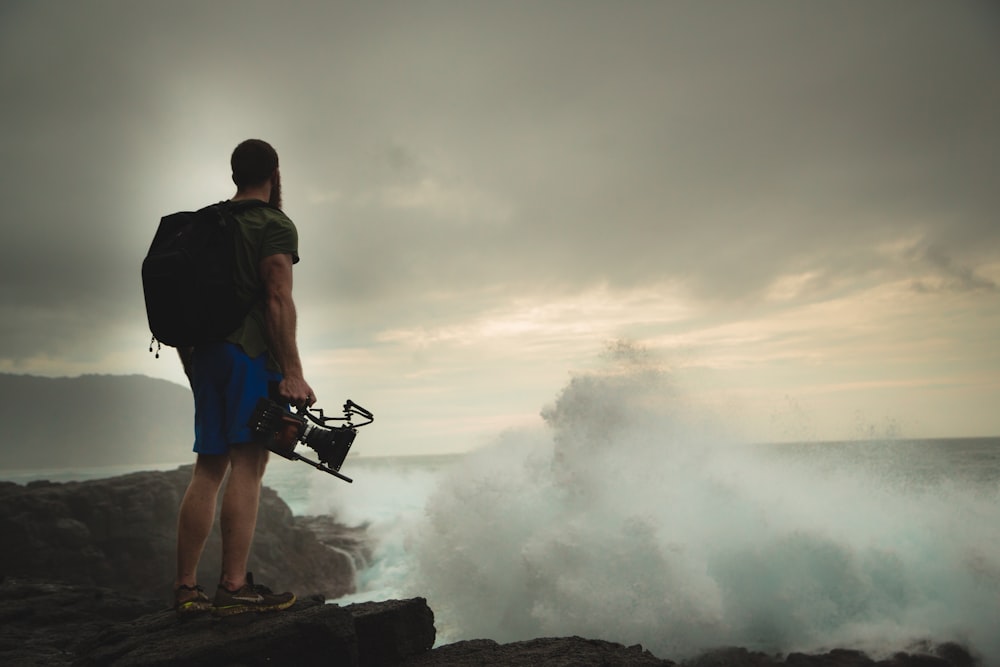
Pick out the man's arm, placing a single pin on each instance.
(279, 322)
(186, 354)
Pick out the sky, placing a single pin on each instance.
(790, 207)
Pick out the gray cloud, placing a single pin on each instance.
(484, 150)
(951, 275)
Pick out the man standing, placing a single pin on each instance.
(259, 359)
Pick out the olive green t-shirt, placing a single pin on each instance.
(261, 231)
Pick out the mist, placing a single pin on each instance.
(637, 518)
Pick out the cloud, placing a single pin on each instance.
(447, 162)
(950, 275)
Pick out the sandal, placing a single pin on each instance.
(194, 605)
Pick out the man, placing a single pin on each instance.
(227, 378)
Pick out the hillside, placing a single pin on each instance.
(93, 420)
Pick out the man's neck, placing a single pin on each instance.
(261, 193)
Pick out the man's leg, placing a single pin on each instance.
(197, 513)
(239, 510)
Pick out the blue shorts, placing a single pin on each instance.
(227, 385)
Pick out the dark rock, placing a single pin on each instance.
(63, 625)
(945, 655)
(307, 634)
(556, 652)
(914, 660)
(835, 658)
(731, 656)
(60, 624)
(389, 631)
(955, 654)
(40, 622)
(352, 540)
(120, 533)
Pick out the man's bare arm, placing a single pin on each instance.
(280, 320)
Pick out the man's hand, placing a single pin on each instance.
(297, 391)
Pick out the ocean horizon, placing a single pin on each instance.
(874, 445)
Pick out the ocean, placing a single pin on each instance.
(637, 523)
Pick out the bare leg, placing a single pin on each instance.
(239, 511)
(197, 513)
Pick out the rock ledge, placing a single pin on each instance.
(66, 625)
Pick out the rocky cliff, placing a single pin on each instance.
(119, 533)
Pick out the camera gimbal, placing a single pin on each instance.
(281, 431)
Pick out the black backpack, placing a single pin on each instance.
(188, 276)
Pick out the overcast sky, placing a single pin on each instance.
(791, 206)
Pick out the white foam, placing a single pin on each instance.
(633, 521)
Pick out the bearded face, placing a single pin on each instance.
(275, 199)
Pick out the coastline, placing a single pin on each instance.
(81, 530)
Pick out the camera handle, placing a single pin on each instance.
(351, 410)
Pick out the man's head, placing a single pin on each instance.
(255, 164)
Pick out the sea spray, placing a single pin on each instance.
(632, 519)
(387, 498)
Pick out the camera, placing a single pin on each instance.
(280, 430)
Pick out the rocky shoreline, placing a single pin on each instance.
(44, 623)
(86, 567)
(120, 533)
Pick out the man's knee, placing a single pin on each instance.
(210, 468)
(249, 458)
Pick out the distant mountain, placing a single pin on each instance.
(93, 420)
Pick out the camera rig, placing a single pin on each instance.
(281, 430)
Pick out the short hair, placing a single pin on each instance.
(253, 162)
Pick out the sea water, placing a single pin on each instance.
(633, 518)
